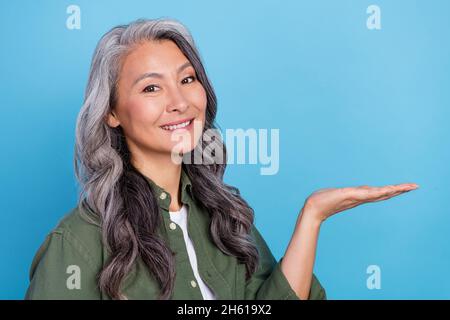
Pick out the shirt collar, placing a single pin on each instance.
(163, 197)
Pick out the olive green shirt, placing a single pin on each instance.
(67, 264)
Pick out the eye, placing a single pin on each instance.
(188, 79)
(150, 88)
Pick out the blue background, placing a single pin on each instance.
(354, 106)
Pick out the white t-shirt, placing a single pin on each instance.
(180, 218)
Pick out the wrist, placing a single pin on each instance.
(310, 217)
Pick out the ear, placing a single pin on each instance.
(112, 120)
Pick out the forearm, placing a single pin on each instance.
(298, 260)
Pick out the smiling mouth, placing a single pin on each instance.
(177, 126)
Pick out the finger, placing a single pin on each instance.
(399, 187)
(378, 192)
(391, 195)
(381, 193)
(407, 186)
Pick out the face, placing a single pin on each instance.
(159, 100)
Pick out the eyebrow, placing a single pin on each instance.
(159, 75)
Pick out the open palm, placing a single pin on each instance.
(326, 202)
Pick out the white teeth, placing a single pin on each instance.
(178, 126)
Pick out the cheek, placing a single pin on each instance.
(141, 115)
(198, 98)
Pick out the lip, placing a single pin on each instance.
(176, 122)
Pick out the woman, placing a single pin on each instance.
(150, 227)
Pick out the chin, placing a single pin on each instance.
(181, 148)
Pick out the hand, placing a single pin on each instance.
(325, 202)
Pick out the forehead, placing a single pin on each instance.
(153, 56)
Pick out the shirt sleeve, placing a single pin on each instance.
(62, 270)
(270, 283)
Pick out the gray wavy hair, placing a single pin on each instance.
(118, 194)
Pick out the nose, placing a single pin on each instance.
(176, 101)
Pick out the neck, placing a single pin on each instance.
(163, 171)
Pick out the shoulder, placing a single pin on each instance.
(72, 249)
(80, 224)
(81, 229)
(76, 235)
